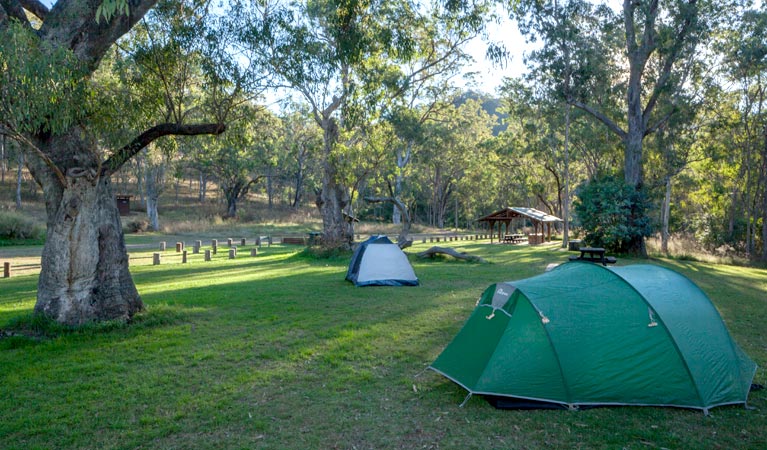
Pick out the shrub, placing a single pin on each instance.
(14, 226)
(137, 226)
(612, 213)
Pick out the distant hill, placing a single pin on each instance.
(491, 106)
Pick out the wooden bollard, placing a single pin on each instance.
(214, 245)
(155, 259)
(162, 246)
(431, 239)
(437, 239)
(183, 257)
(423, 241)
(232, 252)
(207, 255)
(7, 270)
(242, 242)
(179, 247)
(254, 251)
(196, 247)
(229, 242)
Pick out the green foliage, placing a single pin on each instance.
(15, 226)
(42, 88)
(109, 8)
(613, 213)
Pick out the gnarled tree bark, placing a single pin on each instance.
(84, 275)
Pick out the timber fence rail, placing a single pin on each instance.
(202, 251)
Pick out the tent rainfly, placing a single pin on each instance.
(379, 262)
(585, 335)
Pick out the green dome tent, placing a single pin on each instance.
(586, 335)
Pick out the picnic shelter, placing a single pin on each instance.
(506, 220)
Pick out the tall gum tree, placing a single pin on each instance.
(658, 37)
(85, 275)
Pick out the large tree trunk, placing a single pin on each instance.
(566, 202)
(3, 158)
(19, 178)
(334, 197)
(665, 213)
(403, 158)
(84, 275)
(203, 187)
(231, 205)
(155, 175)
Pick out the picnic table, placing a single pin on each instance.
(595, 254)
(513, 238)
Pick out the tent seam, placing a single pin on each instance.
(660, 321)
(721, 320)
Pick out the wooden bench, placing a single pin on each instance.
(514, 238)
(294, 240)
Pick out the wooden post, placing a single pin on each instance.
(155, 259)
(431, 239)
(242, 242)
(254, 251)
(229, 242)
(196, 247)
(207, 255)
(162, 246)
(183, 257)
(179, 247)
(6, 270)
(424, 241)
(214, 244)
(232, 252)
(437, 239)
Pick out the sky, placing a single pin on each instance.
(490, 76)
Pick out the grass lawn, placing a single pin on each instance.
(280, 352)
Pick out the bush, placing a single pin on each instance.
(613, 214)
(14, 227)
(137, 226)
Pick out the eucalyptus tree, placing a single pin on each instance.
(343, 57)
(416, 90)
(241, 158)
(301, 143)
(743, 47)
(48, 105)
(454, 148)
(314, 49)
(564, 66)
(660, 39)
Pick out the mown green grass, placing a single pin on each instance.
(280, 352)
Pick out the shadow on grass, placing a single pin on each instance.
(30, 329)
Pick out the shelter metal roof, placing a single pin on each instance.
(514, 212)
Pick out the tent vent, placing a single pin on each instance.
(653, 322)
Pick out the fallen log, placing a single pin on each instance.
(449, 251)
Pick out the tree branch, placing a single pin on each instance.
(662, 121)
(3, 17)
(121, 156)
(36, 8)
(668, 63)
(601, 117)
(13, 9)
(72, 24)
